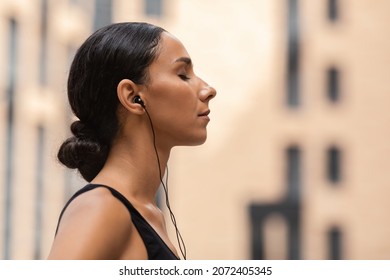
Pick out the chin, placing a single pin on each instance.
(195, 141)
(200, 141)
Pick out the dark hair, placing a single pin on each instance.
(113, 53)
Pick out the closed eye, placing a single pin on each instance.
(184, 77)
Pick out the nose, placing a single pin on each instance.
(207, 92)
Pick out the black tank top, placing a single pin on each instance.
(156, 248)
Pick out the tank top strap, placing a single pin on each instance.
(155, 246)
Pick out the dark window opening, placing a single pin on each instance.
(293, 160)
(293, 98)
(334, 165)
(154, 8)
(333, 10)
(335, 244)
(333, 84)
(103, 13)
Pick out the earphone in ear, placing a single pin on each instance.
(139, 101)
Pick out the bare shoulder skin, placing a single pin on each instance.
(97, 226)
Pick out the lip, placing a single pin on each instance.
(204, 114)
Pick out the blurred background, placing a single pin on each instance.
(297, 161)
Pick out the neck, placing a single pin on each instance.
(132, 167)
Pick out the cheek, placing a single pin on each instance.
(186, 97)
(186, 103)
(180, 100)
(173, 104)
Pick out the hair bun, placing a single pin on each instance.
(83, 151)
(83, 131)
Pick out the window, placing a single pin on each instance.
(103, 13)
(293, 175)
(335, 243)
(154, 8)
(333, 11)
(334, 165)
(293, 98)
(333, 84)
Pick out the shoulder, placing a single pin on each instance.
(95, 225)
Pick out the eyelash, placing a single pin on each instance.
(184, 77)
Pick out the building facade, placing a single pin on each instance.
(295, 166)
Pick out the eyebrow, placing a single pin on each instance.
(184, 59)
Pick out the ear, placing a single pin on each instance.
(126, 91)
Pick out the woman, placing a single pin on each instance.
(133, 88)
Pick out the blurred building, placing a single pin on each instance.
(296, 162)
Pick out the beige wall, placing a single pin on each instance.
(239, 47)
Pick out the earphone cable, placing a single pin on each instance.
(179, 237)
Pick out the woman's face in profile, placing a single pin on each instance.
(177, 99)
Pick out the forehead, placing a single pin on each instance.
(170, 49)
